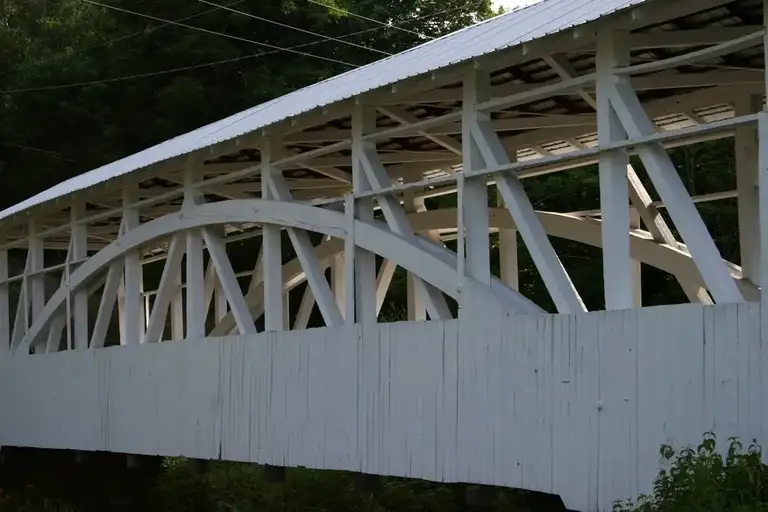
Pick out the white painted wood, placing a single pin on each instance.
(762, 188)
(428, 400)
(305, 253)
(461, 229)
(560, 65)
(765, 46)
(636, 266)
(257, 276)
(364, 284)
(229, 283)
(403, 117)
(195, 286)
(473, 196)
(676, 262)
(271, 248)
(613, 52)
(345, 278)
(166, 291)
(36, 280)
(661, 233)
(557, 280)
(398, 223)
(5, 306)
(383, 280)
(79, 252)
(61, 321)
(415, 308)
(508, 270)
(305, 310)
(131, 328)
(121, 304)
(209, 287)
(21, 318)
(424, 258)
(745, 149)
(339, 281)
(672, 191)
(177, 311)
(220, 304)
(107, 304)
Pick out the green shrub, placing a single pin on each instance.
(702, 480)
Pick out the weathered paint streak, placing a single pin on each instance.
(576, 405)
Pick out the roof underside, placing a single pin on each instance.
(414, 155)
(523, 25)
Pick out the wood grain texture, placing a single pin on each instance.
(576, 405)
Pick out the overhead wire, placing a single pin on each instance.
(132, 34)
(350, 13)
(34, 149)
(284, 25)
(220, 34)
(207, 64)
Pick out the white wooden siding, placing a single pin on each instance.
(576, 405)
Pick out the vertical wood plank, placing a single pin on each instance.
(5, 305)
(271, 249)
(36, 281)
(79, 252)
(613, 52)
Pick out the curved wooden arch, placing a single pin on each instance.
(675, 261)
(643, 248)
(374, 238)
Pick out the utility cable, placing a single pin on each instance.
(128, 36)
(284, 25)
(389, 25)
(206, 64)
(221, 34)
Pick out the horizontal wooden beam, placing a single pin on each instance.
(665, 80)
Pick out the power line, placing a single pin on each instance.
(131, 77)
(34, 149)
(329, 38)
(221, 34)
(206, 64)
(133, 34)
(389, 25)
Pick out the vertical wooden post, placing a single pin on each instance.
(508, 253)
(461, 231)
(177, 311)
(36, 279)
(745, 146)
(762, 189)
(612, 52)
(763, 219)
(5, 303)
(271, 251)
(474, 193)
(132, 329)
(195, 266)
(363, 123)
(347, 286)
(220, 305)
(338, 282)
(416, 310)
(79, 252)
(636, 266)
(287, 310)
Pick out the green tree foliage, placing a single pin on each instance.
(703, 480)
(51, 134)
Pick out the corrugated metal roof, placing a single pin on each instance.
(511, 29)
